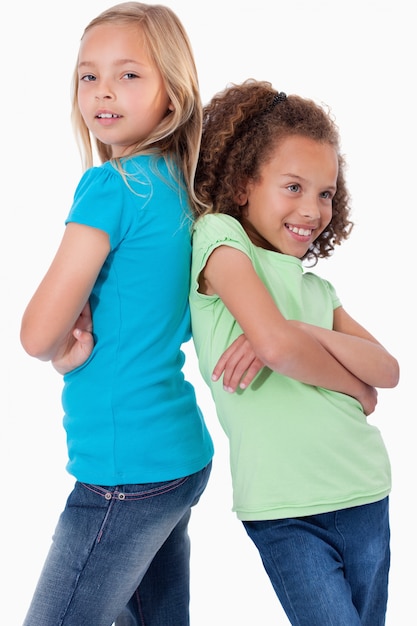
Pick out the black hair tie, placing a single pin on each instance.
(279, 97)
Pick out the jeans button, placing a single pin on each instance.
(121, 496)
(107, 496)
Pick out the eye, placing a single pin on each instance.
(88, 78)
(130, 75)
(295, 187)
(327, 195)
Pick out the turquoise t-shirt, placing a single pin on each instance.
(130, 416)
(295, 449)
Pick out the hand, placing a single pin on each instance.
(78, 346)
(368, 399)
(238, 364)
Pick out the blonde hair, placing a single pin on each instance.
(178, 134)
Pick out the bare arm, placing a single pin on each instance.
(79, 346)
(282, 346)
(238, 365)
(51, 315)
(349, 343)
(357, 350)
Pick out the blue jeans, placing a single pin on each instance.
(329, 569)
(120, 551)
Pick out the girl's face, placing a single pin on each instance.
(121, 94)
(291, 203)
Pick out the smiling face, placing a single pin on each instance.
(121, 93)
(290, 204)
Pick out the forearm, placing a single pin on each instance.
(46, 330)
(301, 356)
(239, 366)
(54, 310)
(79, 346)
(283, 346)
(365, 359)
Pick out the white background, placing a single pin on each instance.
(359, 57)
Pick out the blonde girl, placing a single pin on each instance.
(111, 314)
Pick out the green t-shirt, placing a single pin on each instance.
(295, 449)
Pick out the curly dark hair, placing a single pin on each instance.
(241, 129)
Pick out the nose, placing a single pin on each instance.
(104, 91)
(310, 209)
(104, 95)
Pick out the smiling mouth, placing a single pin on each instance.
(107, 116)
(303, 232)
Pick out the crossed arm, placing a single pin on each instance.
(56, 324)
(346, 359)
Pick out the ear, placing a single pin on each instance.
(241, 197)
(171, 107)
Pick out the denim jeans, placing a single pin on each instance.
(329, 569)
(120, 551)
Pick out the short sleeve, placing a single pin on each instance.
(100, 202)
(327, 288)
(214, 230)
(332, 291)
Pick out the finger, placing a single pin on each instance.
(83, 337)
(237, 369)
(84, 321)
(229, 358)
(234, 363)
(251, 373)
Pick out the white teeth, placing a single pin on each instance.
(107, 115)
(300, 231)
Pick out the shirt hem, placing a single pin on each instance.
(304, 511)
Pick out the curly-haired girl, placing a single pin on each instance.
(311, 476)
